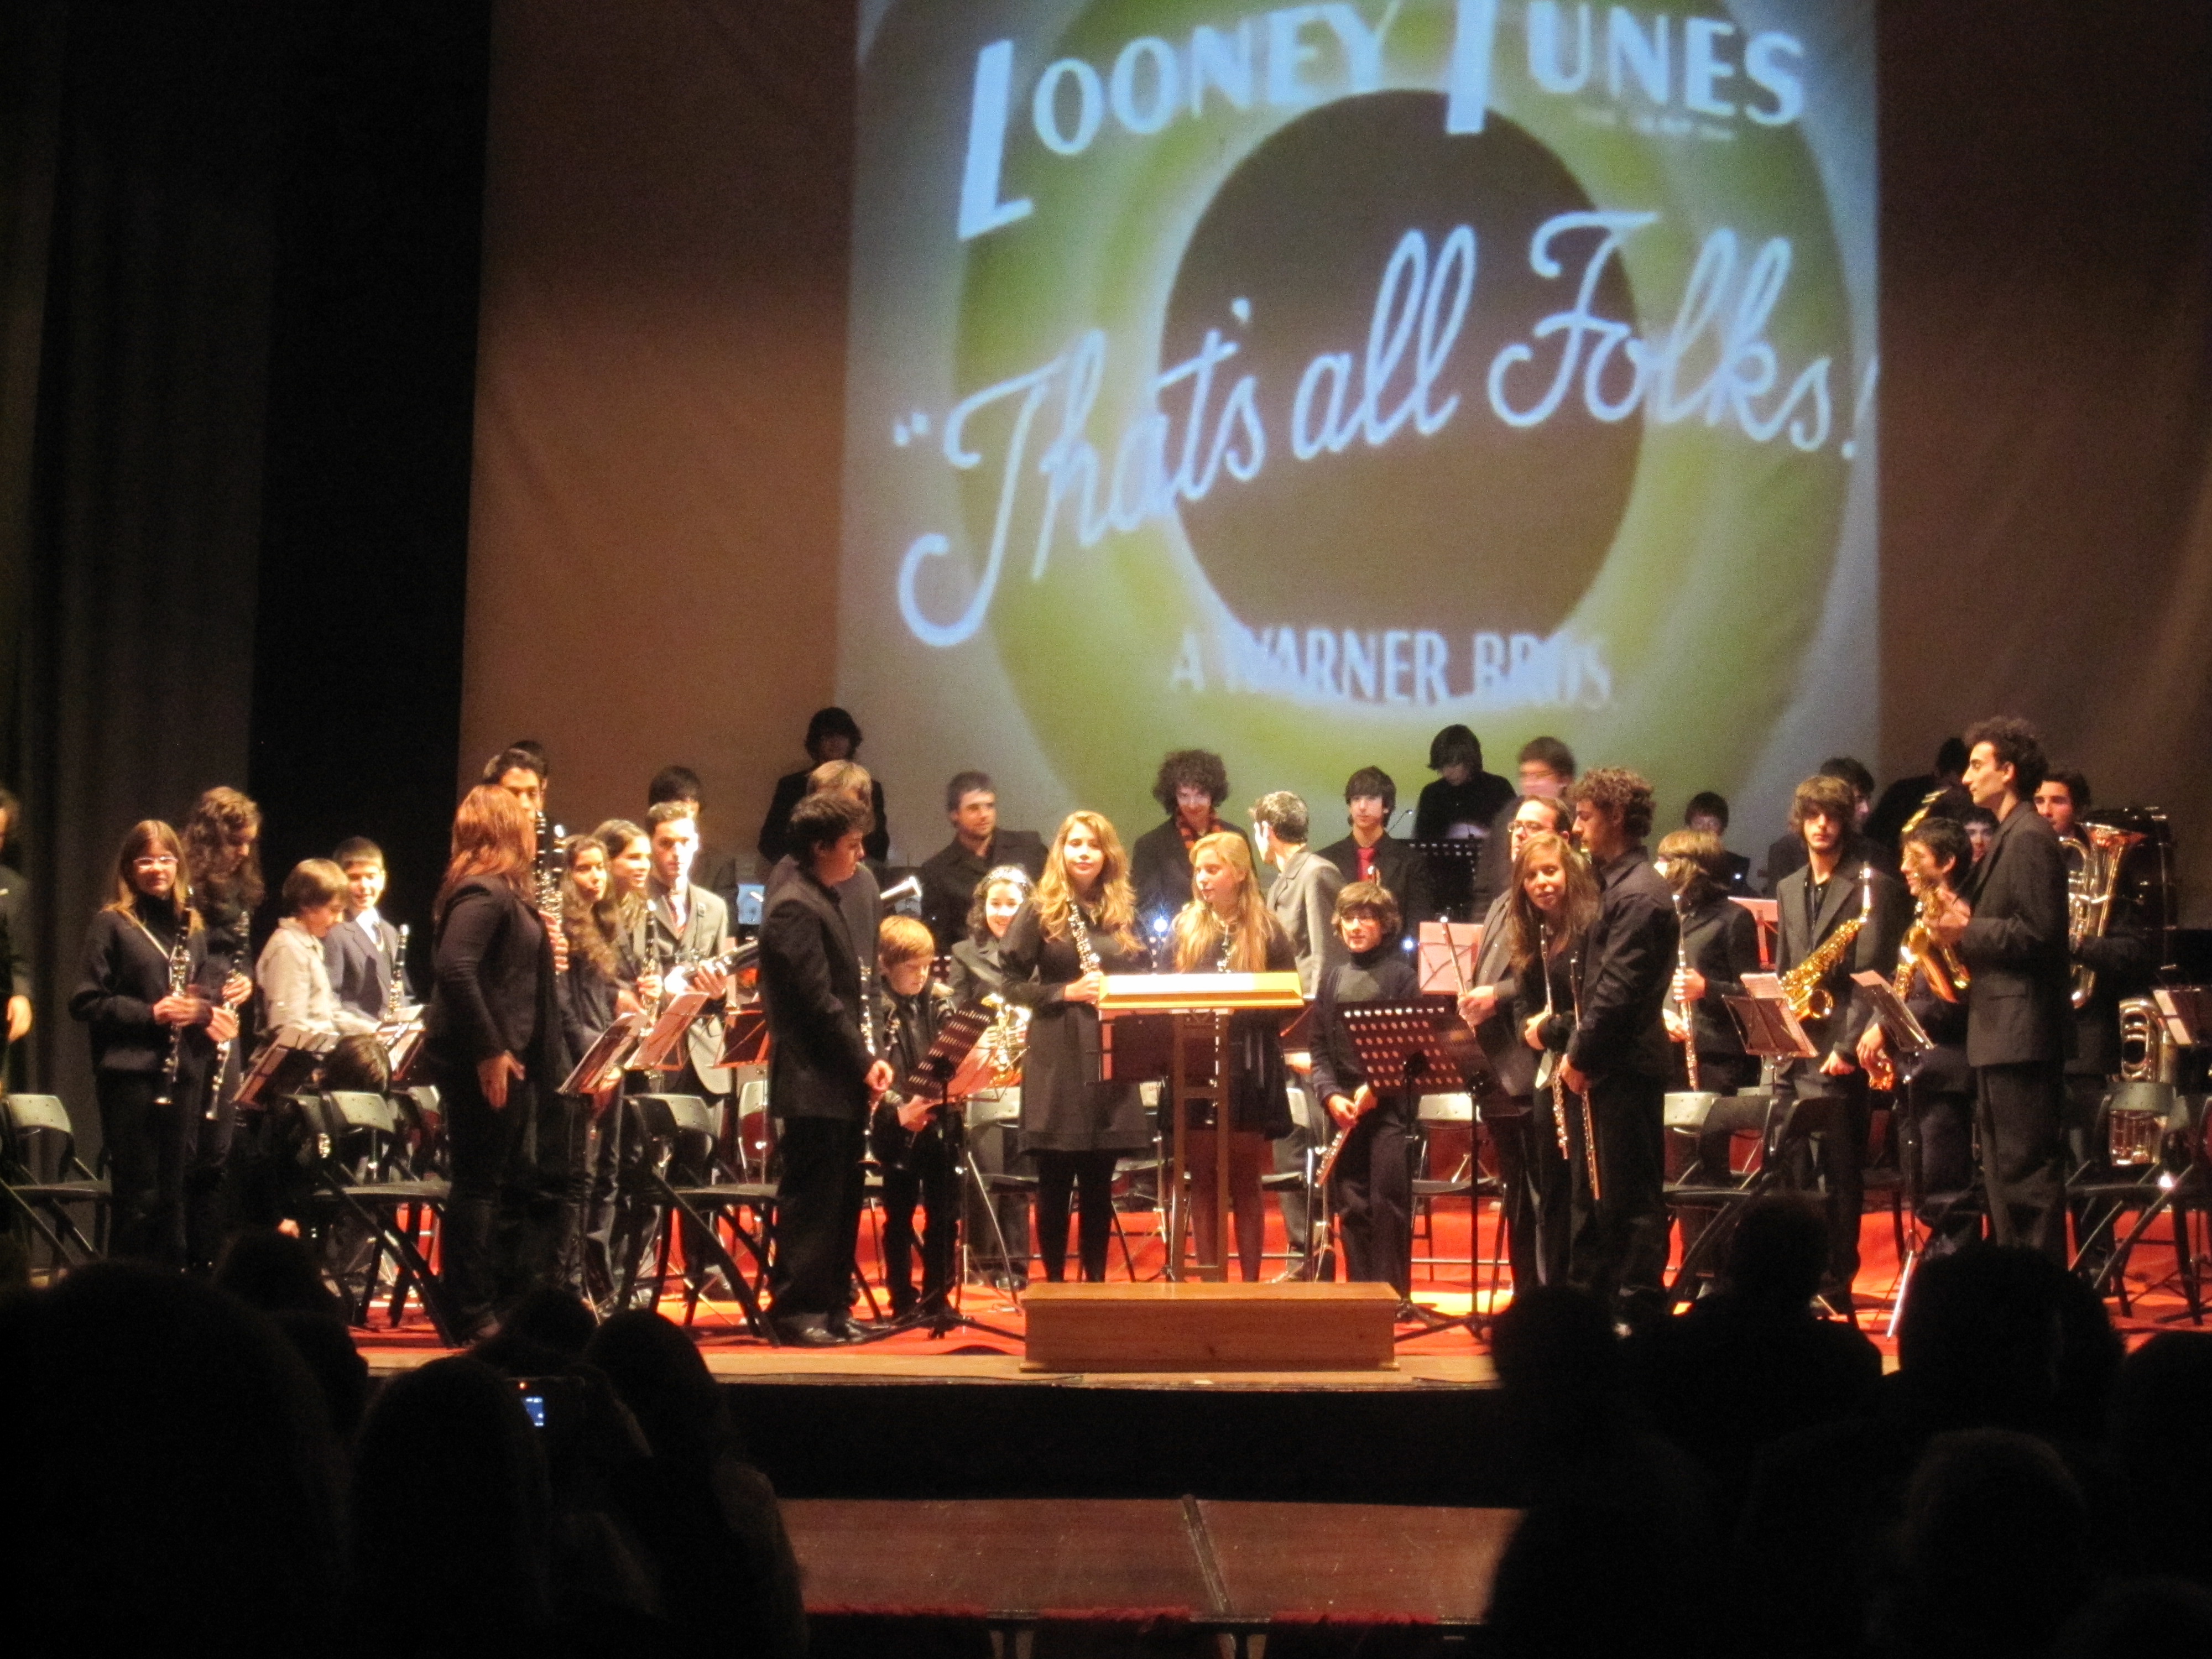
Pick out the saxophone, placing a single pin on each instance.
(1808, 998)
(1922, 952)
(1004, 1041)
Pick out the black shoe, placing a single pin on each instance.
(807, 1331)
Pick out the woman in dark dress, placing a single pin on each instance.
(592, 990)
(1079, 926)
(137, 1021)
(1227, 928)
(492, 1039)
(998, 1239)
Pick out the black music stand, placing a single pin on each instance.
(610, 1051)
(1908, 1040)
(952, 1060)
(1451, 864)
(660, 1049)
(1420, 1046)
(286, 1064)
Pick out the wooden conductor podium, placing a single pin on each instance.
(1170, 1028)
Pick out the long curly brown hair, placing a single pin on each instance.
(1582, 898)
(218, 818)
(593, 929)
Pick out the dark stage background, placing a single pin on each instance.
(241, 251)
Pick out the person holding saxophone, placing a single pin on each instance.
(1836, 918)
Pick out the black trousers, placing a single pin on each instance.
(1090, 1178)
(1937, 1144)
(145, 1167)
(508, 1210)
(926, 1179)
(1290, 1159)
(621, 1217)
(2020, 1112)
(1836, 1159)
(1619, 1248)
(818, 1196)
(1374, 1182)
(1534, 1188)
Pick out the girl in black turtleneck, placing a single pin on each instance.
(123, 996)
(1374, 1182)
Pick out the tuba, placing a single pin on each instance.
(2096, 855)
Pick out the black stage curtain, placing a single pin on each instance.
(233, 514)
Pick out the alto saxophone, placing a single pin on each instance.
(1004, 1041)
(1808, 998)
(1921, 952)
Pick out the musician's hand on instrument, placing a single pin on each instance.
(1478, 1003)
(1837, 1065)
(1872, 1041)
(1532, 1032)
(626, 1001)
(1950, 923)
(1574, 1077)
(1678, 1029)
(712, 983)
(492, 1074)
(914, 1114)
(559, 938)
(1689, 985)
(880, 1079)
(19, 1018)
(1362, 1100)
(222, 1024)
(236, 989)
(648, 989)
(1341, 1108)
(177, 1009)
(1088, 988)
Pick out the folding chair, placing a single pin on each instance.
(355, 1162)
(670, 1121)
(45, 1180)
(1783, 1125)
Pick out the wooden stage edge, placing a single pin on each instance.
(861, 1366)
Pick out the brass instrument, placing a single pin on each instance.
(1808, 998)
(1004, 1041)
(1927, 801)
(1921, 951)
(2099, 852)
(2136, 1115)
(2145, 1054)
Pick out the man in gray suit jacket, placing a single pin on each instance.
(1303, 899)
(2009, 929)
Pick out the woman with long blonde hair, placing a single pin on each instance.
(1227, 928)
(1077, 927)
(492, 1038)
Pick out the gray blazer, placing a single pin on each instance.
(1512, 1060)
(705, 934)
(2019, 1006)
(1303, 899)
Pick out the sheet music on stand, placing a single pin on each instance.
(1769, 1030)
(953, 1067)
(2186, 1012)
(401, 1039)
(1440, 941)
(661, 1049)
(1908, 1039)
(608, 1052)
(286, 1063)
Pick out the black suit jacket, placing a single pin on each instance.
(1403, 873)
(1720, 940)
(790, 790)
(2019, 1004)
(1512, 1060)
(359, 971)
(811, 988)
(1874, 951)
(1627, 964)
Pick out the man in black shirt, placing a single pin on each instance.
(1619, 1055)
(949, 878)
(831, 735)
(1462, 805)
(1371, 852)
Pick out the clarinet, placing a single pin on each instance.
(181, 971)
(1086, 954)
(395, 994)
(549, 867)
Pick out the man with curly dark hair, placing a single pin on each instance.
(1190, 784)
(1618, 1057)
